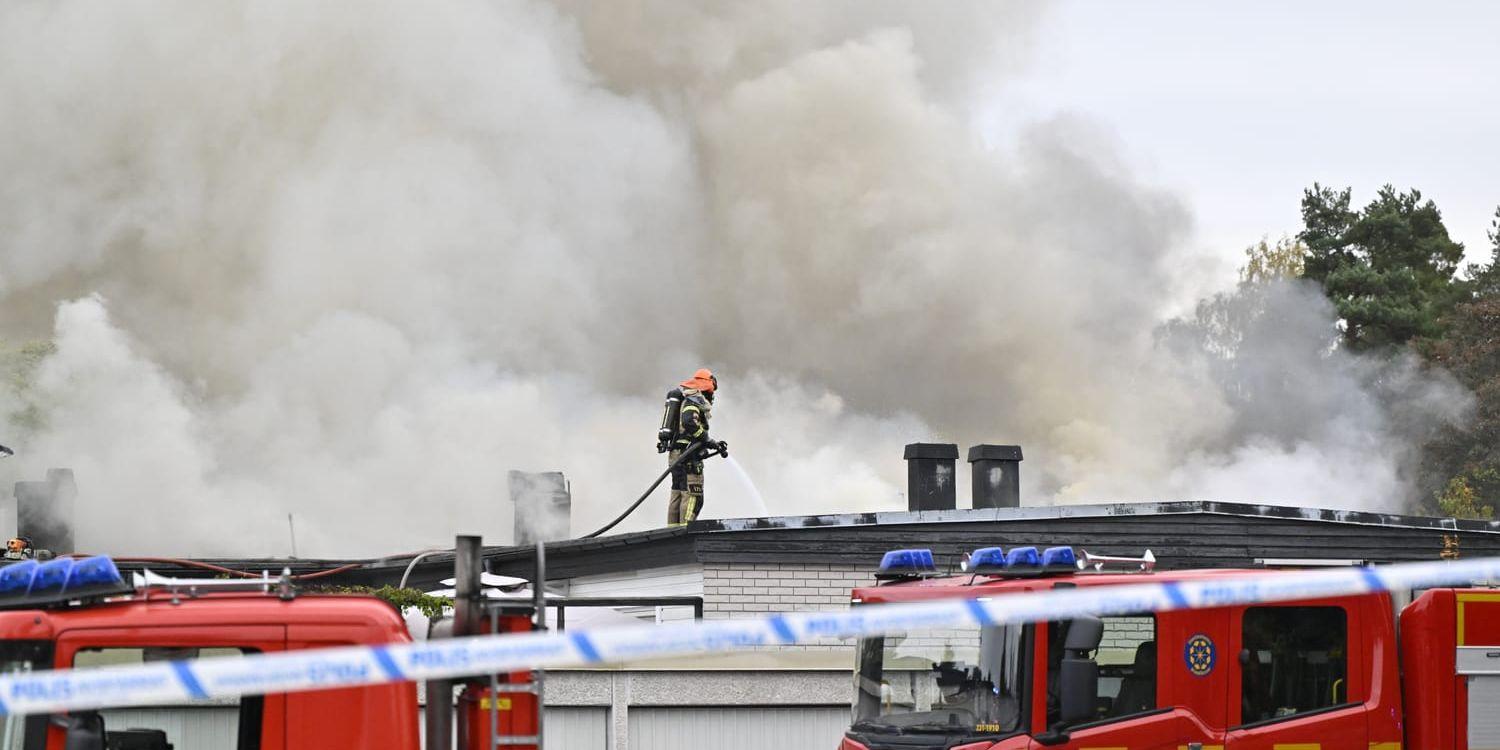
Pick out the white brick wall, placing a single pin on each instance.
(1122, 636)
(739, 590)
(730, 589)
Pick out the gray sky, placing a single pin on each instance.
(1238, 107)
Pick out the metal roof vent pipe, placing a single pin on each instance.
(930, 476)
(997, 475)
(544, 507)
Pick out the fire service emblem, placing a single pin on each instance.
(1200, 655)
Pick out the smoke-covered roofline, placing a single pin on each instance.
(1386, 537)
(965, 515)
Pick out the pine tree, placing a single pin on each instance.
(1389, 269)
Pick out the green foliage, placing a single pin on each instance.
(1486, 278)
(1265, 262)
(401, 599)
(18, 367)
(1471, 352)
(1389, 269)
(1458, 500)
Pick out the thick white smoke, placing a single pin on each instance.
(355, 262)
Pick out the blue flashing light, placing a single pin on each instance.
(15, 579)
(52, 576)
(1023, 557)
(1059, 557)
(908, 561)
(94, 571)
(987, 557)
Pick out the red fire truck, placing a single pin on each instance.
(81, 614)
(1359, 672)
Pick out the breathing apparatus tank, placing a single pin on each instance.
(671, 421)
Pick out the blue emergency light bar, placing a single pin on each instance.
(52, 576)
(94, 571)
(987, 560)
(906, 563)
(28, 584)
(1023, 557)
(1059, 557)
(1021, 562)
(15, 579)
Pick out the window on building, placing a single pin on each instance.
(1127, 666)
(218, 724)
(1294, 660)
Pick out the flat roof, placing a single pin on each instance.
(1182, 534)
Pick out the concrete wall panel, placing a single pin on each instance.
(575, 728)
(738, 728)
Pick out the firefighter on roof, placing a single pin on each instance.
(692, 404)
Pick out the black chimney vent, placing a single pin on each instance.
(997, 475)
(930, 475)
(44, 511)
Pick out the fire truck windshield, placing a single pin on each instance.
(22, 656)
(961, 681)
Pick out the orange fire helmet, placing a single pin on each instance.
(702, 381)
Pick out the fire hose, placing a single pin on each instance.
(692, 450)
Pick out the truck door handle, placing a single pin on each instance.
(1195, 746)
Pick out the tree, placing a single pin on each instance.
(1471, 352)
(1458, 500)
(1389, 269)
(1266, 262)
(1485, 279)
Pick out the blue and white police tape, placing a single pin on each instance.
(62, 690)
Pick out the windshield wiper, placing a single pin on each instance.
(935, 726)
(924, 727)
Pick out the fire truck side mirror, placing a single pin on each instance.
(1078, 682)
(84, 730)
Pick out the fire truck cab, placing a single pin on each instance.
(1324, 674)
(81, 614)
(151, 628)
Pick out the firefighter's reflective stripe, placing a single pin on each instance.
(51, 691)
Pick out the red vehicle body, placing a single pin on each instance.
(1325, 674)
(146, 627)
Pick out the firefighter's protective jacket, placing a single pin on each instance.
(694, 419)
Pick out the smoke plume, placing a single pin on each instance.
(356, 261)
